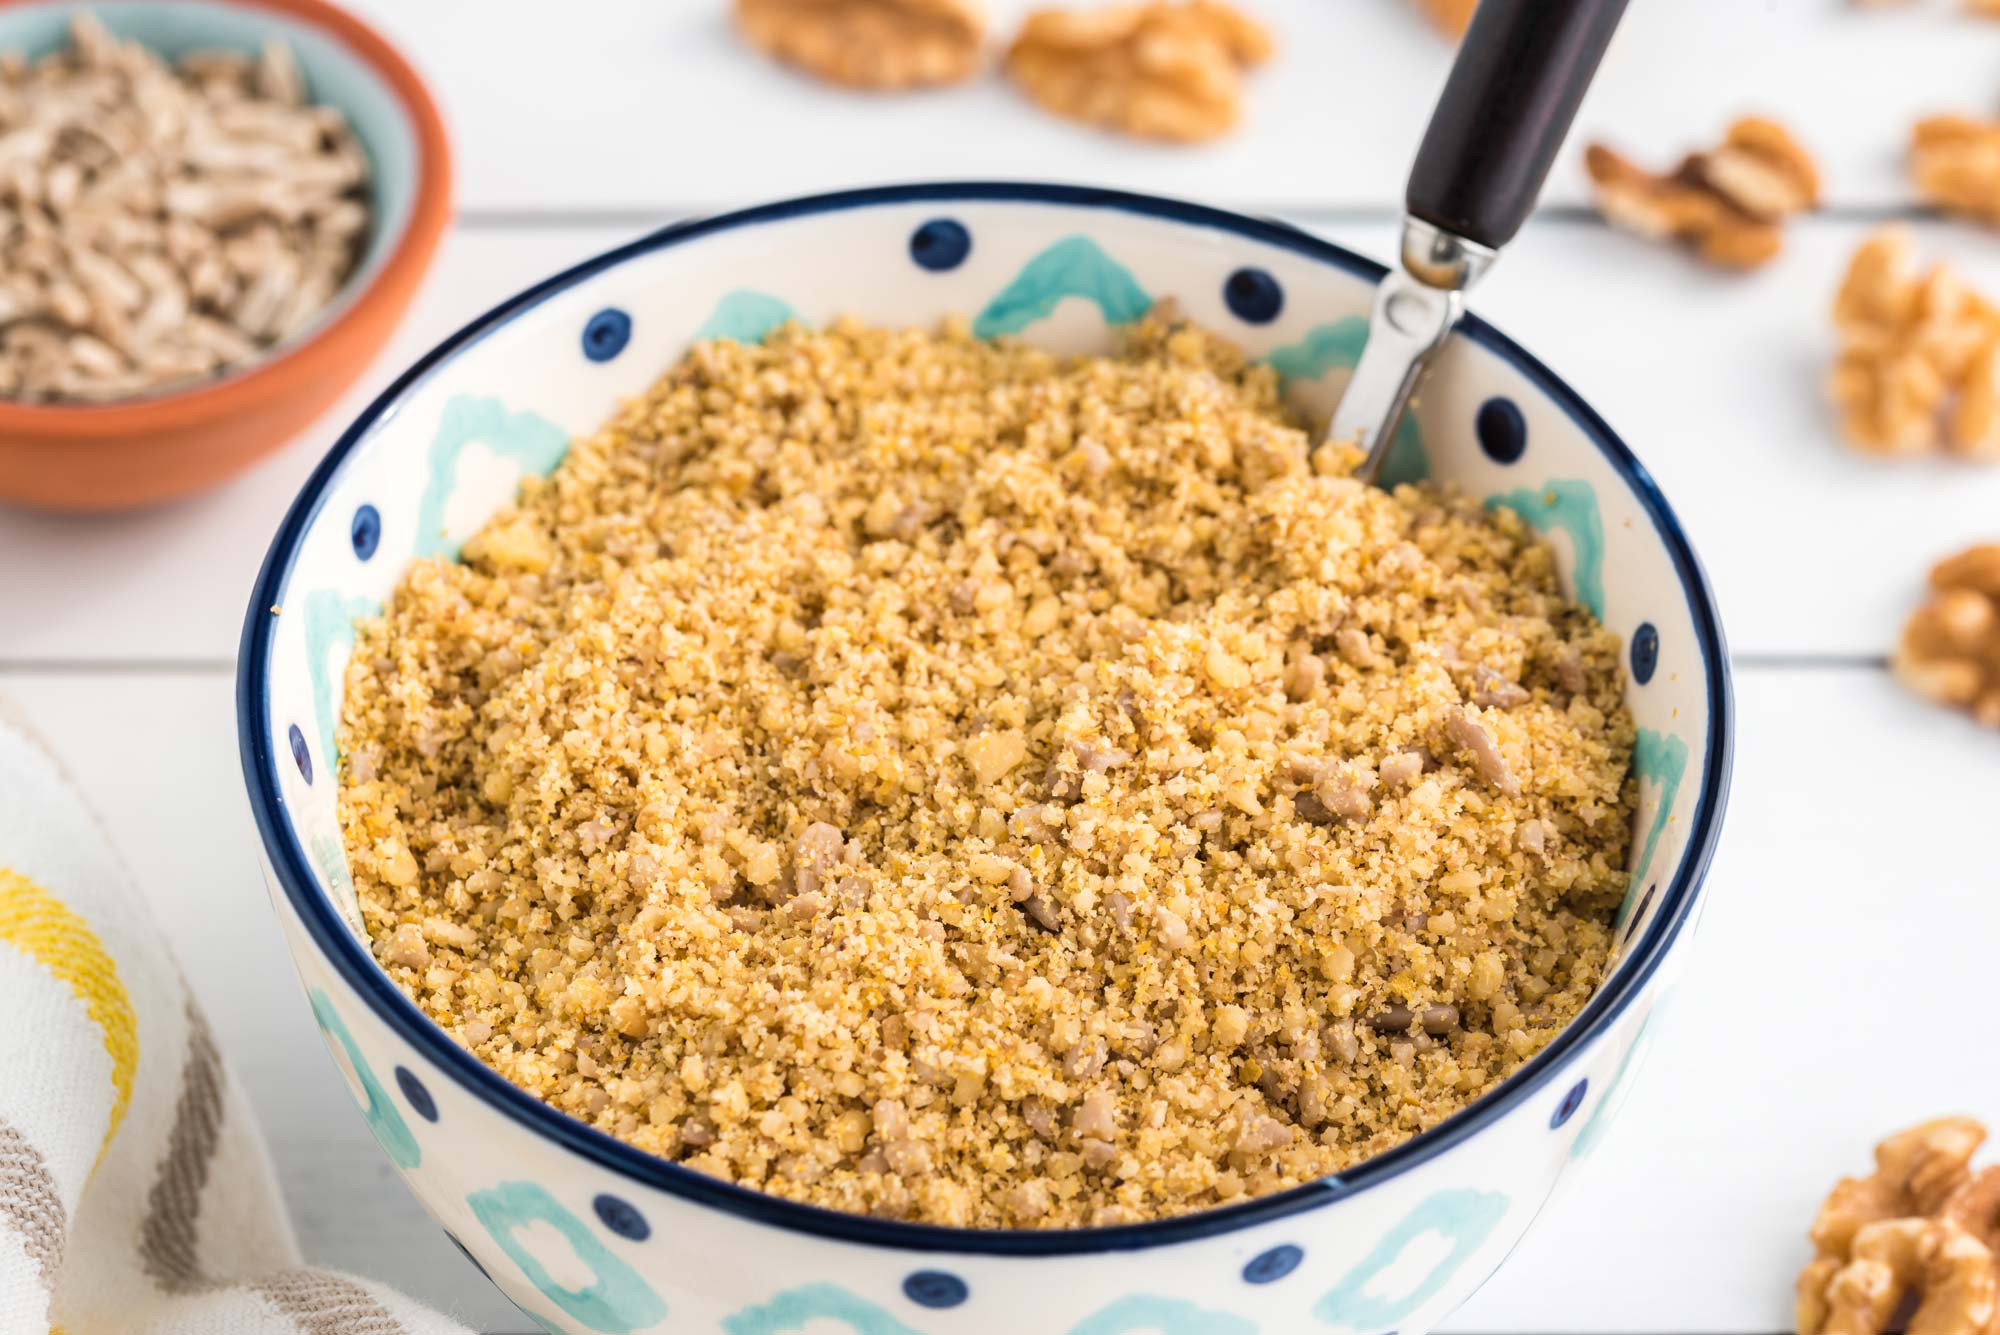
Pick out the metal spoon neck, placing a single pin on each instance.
(1443, 259)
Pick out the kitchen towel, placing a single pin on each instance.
(135, 1194)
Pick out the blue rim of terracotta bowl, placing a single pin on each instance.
(353, 963)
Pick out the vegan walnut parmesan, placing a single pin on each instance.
(938, 779)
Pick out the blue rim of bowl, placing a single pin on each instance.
(353, 963)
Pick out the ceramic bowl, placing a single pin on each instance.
(134, 452)
(588, 1234)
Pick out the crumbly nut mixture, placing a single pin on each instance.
(1726, 204)
(1955, 164)
(1919, 364)
(1917, 1236)
(883, 45)
(933, 778)
(1163, 69)
(160, 224)
(1950, 650)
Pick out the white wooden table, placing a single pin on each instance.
(1855, 903)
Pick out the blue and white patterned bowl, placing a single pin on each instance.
(588, 1234)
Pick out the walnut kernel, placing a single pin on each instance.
(1912, 1230)
(1726, 204)
(1762, 170)
(1172, 69)
(1955, 164)
(1950, 648)
(1918, 368)
(883, 45)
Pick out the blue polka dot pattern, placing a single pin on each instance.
(366, 531)
(1645, 652)
(607, 334)
(1502, 431)
(415, 1094)
(1253, 296)
(1571, 1102)
(940, 244)
(935, 1288)
(300, 756)
(1273, 1265)
(622, 1217)
(1645, 902)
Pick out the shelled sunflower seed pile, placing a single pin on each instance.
(164, 223)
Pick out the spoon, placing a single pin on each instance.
(1521, 70)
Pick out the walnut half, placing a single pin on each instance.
(883, 45)
(1166, 70)
(1955, 164)
(1726, 203)
(1910, 1236)
(1919, 364)
(1950, 650)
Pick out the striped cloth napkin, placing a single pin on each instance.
(135, 1194)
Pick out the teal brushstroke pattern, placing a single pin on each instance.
(1463, 1216)
(1660, 759)
(391, 1131)
(1588, 1139)
(1568, 504)
(616, 1300)
(1168, 1316)
(745, 317)
(331, 859)
(526, 439)
(1325, 347)
(793, 1309)
(330, 618)
(1338, 345)
(1073, 267)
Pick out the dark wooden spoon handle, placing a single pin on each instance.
(1513, 91)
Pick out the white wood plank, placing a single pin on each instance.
(1849, 920)
(636, 104)
(1716, 381)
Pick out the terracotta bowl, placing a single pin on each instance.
(95, 457)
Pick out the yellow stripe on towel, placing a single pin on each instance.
(34, 921)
